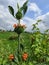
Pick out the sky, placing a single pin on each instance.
(37, 9)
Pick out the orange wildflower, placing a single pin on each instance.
(24, 56)
(11, 57)
(14, 25)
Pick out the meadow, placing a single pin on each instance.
(35, 44)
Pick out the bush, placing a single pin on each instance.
(12, 38)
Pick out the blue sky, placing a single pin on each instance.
(42, 4)
(37, 9)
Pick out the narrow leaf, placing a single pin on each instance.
(25, 9)
(25, 4)
(17, 5)
(11, 10)
(39, 20)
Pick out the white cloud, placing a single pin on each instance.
(43, 25)
(33, 7)
(44, 18)
(6, 18)
(29, 21)
(7, 21)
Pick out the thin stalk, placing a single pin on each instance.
(19, 43)
(19, 39)
(19, 22)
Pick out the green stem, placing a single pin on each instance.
(19, 43)
(19, 21)
(19, 39)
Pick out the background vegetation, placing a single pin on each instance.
(36, 45)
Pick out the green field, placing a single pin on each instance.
(36, 45)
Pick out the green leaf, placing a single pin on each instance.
(11, 10)
(22, 47)
(39, 20)
(18, 6)
(23, 63)
(30, 63)
(18, 15)
(24, 8)
(47, 30)
(25, 4)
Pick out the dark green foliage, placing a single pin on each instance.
(21, 11)
(39, 20)
(18, 6)
(18, 15)
(24, 8)
(19, 30)
(12, 38)
(11, 10)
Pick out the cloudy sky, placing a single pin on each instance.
(37, 9)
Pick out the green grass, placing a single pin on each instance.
(37, 47)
